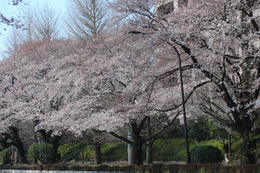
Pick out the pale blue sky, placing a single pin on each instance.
(9, 10)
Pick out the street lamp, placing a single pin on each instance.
(182, 96)
(183, 108)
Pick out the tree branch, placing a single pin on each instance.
(163, 129)
(187, 98)
(121, 137)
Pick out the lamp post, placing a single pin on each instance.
(183, 108)
(182, 95)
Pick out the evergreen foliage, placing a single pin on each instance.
(43, 152)
(206, 154)
(70, 151)
(5, 156)
(114, 151)
(33, 151)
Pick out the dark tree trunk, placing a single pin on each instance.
(97, 153)
(22, 154)
(82, 153)
(45, 136)
(137, 149)
(248, 150)
(17, 157)
(149, 152)
(149, 149)
(137, 142)
(55, 141)
(54, 154)
(35, 160)
(19, 145)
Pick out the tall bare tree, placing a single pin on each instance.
(11, 43)
(28, 34)
(86, 17)
(48, 23)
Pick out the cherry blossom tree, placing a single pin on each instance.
(24, 96)
(12, 128)
(58, 81)
(121, 79)
(96, 93)
(40, 59)
(221, 40)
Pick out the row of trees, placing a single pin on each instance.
(83, 19)
(115, 81)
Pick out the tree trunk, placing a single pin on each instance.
(21, 154)
(97, 153)
(149, 149)
(149, 152)
(54, 140)
(248, 150)
(16, 156)
(229, 145)
(56, 143)
(19, 145)
(55, 153)
(137, 142)
(82, 153)
(137, 149)
(35, 160)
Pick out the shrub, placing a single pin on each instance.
(199, 129)
(170, 149)
(46, 152)
(89, 153)
(5, 156)
(114, 151)
(205, 154)
(71, 151)
(34, 151)
(42, 152)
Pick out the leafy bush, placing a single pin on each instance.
(163, 149)
(199, 129)
(205, 154)
(213, 142)
(71, 151)
(114, 151)
(42, 152)
(216, 130)
(46, 152)
(88, 153)
(34, 151)
(5, 156)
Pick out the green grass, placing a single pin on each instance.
(169, 149)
